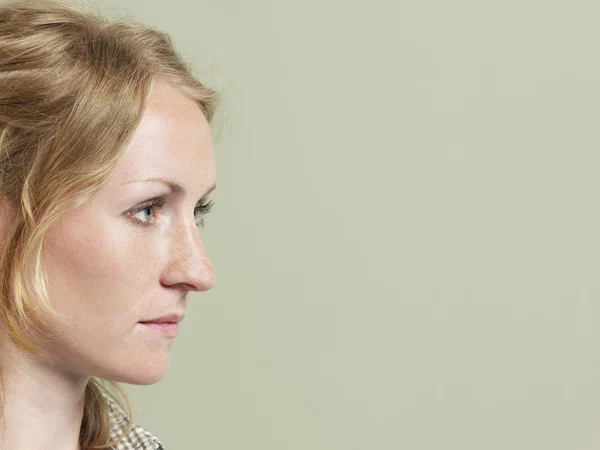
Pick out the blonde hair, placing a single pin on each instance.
(73, 88)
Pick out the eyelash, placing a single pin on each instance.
(199, 212)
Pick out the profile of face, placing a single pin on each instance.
(134, 251)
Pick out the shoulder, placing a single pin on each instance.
(137, 438)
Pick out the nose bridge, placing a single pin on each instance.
(189, 262)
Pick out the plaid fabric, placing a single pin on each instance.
(137, 438)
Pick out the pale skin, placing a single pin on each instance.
(107, 272)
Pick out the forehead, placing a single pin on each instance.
(169, 100)
(173, 140)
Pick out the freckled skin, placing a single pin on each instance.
(106, 272)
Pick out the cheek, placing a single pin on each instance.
(96, 268)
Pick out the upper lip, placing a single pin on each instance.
(172, 318)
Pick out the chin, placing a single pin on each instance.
(140, 374)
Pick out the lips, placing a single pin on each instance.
(168, 319)
(167, 325)
(163, 328)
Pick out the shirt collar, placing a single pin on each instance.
(137, 438)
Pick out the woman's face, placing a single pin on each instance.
(117, 261)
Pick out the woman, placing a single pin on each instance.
(106, 166)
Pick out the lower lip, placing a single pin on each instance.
(166, 328)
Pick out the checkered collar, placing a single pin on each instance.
(137, 438)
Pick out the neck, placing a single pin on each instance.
(43, 406)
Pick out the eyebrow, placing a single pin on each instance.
(175, 187)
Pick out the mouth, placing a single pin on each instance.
(164, 328)
(166, 325)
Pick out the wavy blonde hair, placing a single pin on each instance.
(73, 88)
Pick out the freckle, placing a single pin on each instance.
(177, 261)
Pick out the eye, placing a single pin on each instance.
(202, 210)
(145, 213)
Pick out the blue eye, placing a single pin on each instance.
(201, 211)
(149, 212)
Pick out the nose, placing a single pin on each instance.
(188, 264)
